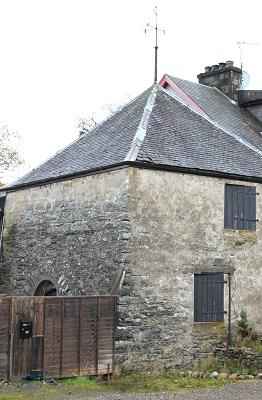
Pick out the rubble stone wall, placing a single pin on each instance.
(177, 228)
(73, 233)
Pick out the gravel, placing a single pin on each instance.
(239, 391)
(251, 390)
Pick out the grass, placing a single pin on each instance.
(255, 345)
(43, 393)
(141, 383)
(138, 383)
(163, 383)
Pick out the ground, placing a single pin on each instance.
(31, 391)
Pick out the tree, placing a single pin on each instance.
(9, 156)
(86, 125)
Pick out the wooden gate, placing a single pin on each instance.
(57, 336)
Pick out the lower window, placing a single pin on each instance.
(209, 297)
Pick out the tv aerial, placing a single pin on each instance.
(245, 77)
(157, 30)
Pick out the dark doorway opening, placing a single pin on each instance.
(46, 288)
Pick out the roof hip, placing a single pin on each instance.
(142, 127)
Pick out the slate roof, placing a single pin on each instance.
(159, 129)
(223, 110)
(177, 136)
(105, 145)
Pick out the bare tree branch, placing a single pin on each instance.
(86, 125)
(9, 156)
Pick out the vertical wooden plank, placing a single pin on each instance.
(70, 336)
(10, 342)
(22, 360)
(52, 336)
(88, 335)
(38, 324)
(105, 334)
(250, 207)
(115, 323)
(97, 333)
(38, 336)
(37, 355)
(62, 337)
(4, 336)
(79, 336)
(43, 351)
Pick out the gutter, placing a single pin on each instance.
(135, 164)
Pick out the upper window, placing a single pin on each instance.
(240, 207)
(209, 297)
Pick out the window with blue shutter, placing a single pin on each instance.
(2, 207)
(240, 207)
(209, 297)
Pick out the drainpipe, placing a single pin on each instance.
(229, 327)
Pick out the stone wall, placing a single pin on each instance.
(177, 228)
(152, 228)
(73, 233)
(245, 358)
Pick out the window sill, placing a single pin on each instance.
(210, 328)
(239, 237)
(208, 322)
(239, 230)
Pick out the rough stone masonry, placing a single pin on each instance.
(141, 233)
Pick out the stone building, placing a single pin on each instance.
(159, 204)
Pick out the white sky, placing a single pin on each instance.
(65, 59)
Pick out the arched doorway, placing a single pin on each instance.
(46, 288)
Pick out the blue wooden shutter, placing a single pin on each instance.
(209, 297)
(240, 207)
(250, 208)
(2, 207)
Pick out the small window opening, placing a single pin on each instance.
(240, 207)
(46, 288)
(209, 297)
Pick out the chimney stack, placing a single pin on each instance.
(224, 76)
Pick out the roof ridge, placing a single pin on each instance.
(215, 124)
(142, 127)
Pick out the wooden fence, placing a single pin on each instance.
(57, 336)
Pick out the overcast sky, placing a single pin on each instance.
(66, 59)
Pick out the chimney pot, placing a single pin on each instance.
(214, 67)
(228, 83)
(229, 63)
(222, 65)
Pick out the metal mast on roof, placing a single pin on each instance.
(157, 30)
(240, 46)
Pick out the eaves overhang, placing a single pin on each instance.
(134, 164)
